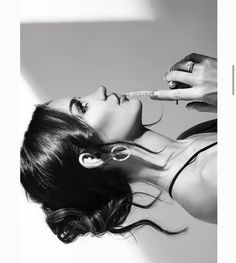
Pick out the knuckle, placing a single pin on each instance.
(206, 61)
(199, 80)
(177, 96)
(199, 93)
(197, 67)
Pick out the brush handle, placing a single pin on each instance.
(139, 93)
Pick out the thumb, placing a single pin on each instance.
(201, 107)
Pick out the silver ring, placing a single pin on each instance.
(115, 155)
(190, 65)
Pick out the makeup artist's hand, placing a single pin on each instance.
(194, 78)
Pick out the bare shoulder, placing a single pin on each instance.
(209, 167)
(200, 197)
(208, 187)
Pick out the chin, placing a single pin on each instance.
(137, 104)
(138, 108)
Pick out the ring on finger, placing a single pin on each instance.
(190, 66)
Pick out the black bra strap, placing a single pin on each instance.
(188, 162)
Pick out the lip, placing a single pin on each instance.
(113, 97)
(104, 92)
(123, 98)
(117, 99)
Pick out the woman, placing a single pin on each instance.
(80, 155)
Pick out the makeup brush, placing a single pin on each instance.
(148, 93)
(139, 93)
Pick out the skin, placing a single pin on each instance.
(104, 112)
(202, 83)
(115, 118)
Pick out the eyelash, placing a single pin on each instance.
(82, 107)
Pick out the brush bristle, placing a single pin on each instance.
(139, 93)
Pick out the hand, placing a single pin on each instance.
(194, 78)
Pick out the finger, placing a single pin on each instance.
(201, 106)
(180, 76)
(176, 94)
(197, 58)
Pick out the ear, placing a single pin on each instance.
(89, 161)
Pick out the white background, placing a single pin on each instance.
(72, 47)
(37, 243)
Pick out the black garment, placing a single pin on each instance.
(186, 164)
(208, 126)
(204, 127)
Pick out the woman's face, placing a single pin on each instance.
(112, 117)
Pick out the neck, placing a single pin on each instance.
(147, 167)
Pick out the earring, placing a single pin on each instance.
(120, 150)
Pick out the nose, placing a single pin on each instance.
(99, 94)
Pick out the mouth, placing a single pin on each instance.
(105, 92)
(123, 98)
(119, 99)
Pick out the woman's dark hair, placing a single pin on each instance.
(76, 200)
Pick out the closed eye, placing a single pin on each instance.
(81, 107)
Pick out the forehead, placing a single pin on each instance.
(61, 104)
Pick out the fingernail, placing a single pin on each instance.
(172, 84)
(165, 76)
(156, 93)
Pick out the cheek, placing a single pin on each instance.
(112, 121)
(133, 111)
(98, 117)
(130, 120)
(103, 116)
